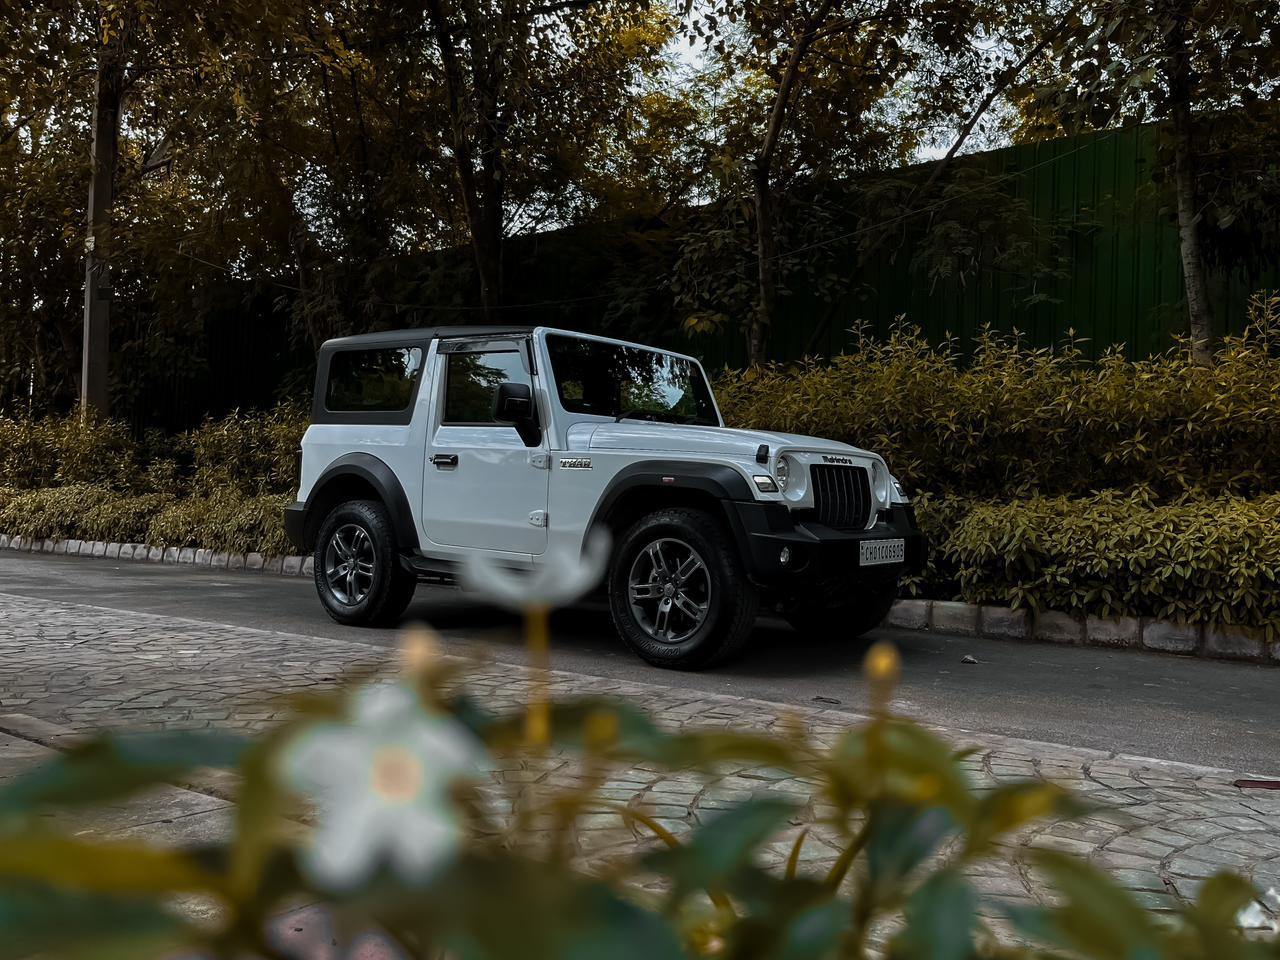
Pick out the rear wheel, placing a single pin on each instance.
(817, 616)
(357, 566)
(677, 590)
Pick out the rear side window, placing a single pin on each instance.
(373, 380)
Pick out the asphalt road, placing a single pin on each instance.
(1172, 708)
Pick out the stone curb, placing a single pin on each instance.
(1212, 641)
(190, 556)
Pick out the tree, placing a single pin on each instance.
(833, 87)
(1187, 63)
(506, 61)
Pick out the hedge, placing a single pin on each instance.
(1212, 561)
(227, 521)
(1013, 421)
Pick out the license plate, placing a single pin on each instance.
(874, 552)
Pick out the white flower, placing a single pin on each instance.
(563, 576)
(381, 784)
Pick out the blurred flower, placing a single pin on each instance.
(382, 783)
(563, 575)
(1254, 917)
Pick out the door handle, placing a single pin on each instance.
(445, 460)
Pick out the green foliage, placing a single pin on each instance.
(1214, 561)
(1015, 421)
(41, 452)
(253, 453)
(223, 521)
(901, 806)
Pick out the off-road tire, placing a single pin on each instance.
(391, 587)
(816, 617)
(731, 605)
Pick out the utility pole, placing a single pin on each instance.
(95, 366)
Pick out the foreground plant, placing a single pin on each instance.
(404, 834)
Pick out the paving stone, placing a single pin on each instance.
(1113, 631)
(946, 616)
(218, 561)
(47, 545)
(202, 557)
(156, 554)
(99, 549)
(909, 615)
(254, 561)
(1171, 637)
(187, 555)
(59, 546)
(125, 552)
(1234, 642)
(273, 564)
(235, 561)
(309, 567)
(291, 566)
(4, 541)
(1057, 627)
(170, 554)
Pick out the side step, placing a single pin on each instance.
(442, 573)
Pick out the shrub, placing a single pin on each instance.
(374, 805)
(1017, 421)
(66, 450)
(223, 521)
(257, 453)
(1110, 555)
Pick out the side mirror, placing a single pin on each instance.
(514, 405)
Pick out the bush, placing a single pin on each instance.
(1014, 421)
(1110, 555)
(223, 521)
(257, 453)
(66, 450)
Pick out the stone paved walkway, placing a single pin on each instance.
(68, 668)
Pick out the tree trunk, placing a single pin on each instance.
(476, 200)
(759, 323)
(95, 370)
(761, 320)
(1184, 170)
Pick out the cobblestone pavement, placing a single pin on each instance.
(1162, 827)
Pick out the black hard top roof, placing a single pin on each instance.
(422, 335)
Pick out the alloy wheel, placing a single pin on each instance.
(349, 564)
(669, 587)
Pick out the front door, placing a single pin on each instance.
(483, 487)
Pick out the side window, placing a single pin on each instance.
(373, 380)
(472, 381)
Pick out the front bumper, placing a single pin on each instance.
(819, 551)
(295, 525)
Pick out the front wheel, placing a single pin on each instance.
(818, 616)
(677, 590)
(357, 566)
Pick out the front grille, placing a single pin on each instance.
(841, 496)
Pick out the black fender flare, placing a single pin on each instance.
(721, 481)
(384, 481)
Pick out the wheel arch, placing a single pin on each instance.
(360, 476)
(650, 485)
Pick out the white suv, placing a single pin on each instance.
(430, 446)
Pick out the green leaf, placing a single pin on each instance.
(901, 837)
(941, 918)
(1013, 805)
(722, 846)
(1097, 918)
(112, 867)
(115, 765)
(814, 933)
(493, 908)
(35, 920)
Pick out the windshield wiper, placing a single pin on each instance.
(636, 413)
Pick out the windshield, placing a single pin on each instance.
(612, 380)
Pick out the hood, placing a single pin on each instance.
(712, 441)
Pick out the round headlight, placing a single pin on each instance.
(782, 472)
(880, 481)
